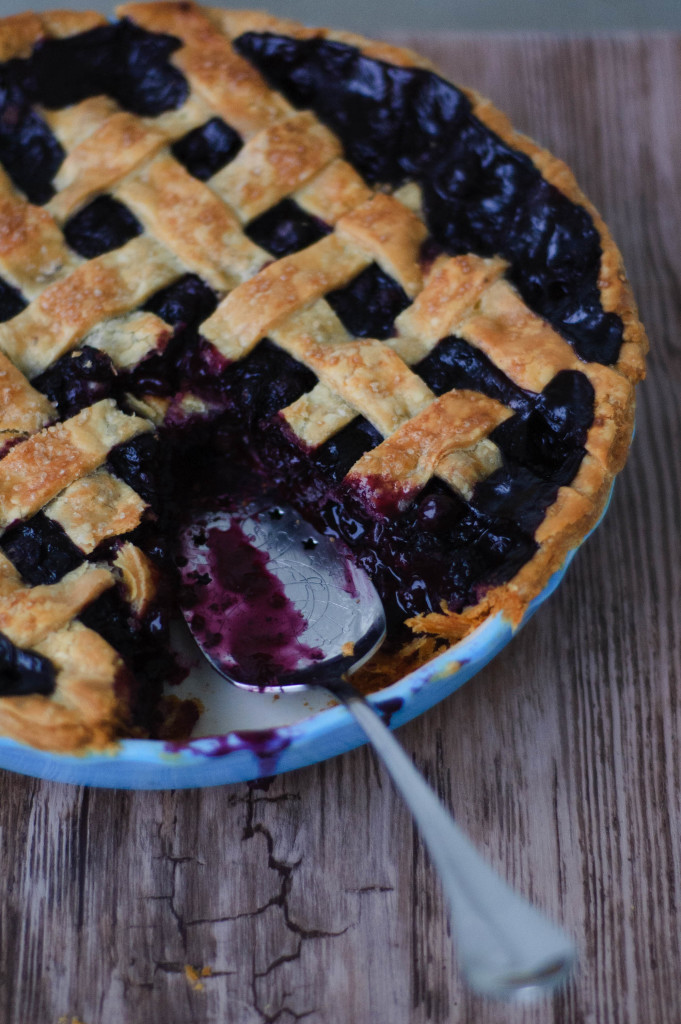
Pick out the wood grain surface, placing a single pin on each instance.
(310, 897)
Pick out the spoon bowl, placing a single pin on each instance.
(263, 579)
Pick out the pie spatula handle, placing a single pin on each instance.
(506, 947)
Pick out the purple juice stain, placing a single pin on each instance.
(266, 744)
(389, 707)
(238, 610)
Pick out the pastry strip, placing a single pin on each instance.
(125, 138)
(95, 508)
(191, 220)
(29, 614)
(392, 234)
(274, 163)
(36, 470)
(114, 283)
(449, 426)
(280, 289)
(22, 409)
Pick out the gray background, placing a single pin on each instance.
(373, 16)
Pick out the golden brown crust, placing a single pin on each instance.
(23, 410)
(95, 508)
(139, 576)
(18, 35)
(257, 306)
(39, 468)
(392, 234)
(125, 139)
(193, 222)
(441, 440)
(63, 313)
(84, 712)
(274, 163)
(33, 253)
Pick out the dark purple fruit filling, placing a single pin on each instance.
(40, 550)
(143, 644)
(11, 301)
(29, 152)
(479, 195)
(141, 464)
(78, 379)
(184, 305)
(335, 457)
(24, 672)
(516, 494)
(252, 390)
(239, 610)
(367, 307)
(207, 149)
(389, 119)
(453, 363)
(439, 549)
(102, 225)
(549, 438)
(122, 61)
(257, 387)
(285, 229)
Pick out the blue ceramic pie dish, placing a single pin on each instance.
(274, 735)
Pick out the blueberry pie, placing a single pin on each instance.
(238, 254)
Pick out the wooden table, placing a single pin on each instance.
(310, 897)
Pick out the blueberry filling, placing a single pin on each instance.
(479, 195)
(367, 307)
(549, 438)
(122, 61)
(142, 643)
(23, 672)
(285, 229)
(257, 387)
(184, 304)
(11, 301)
(102, 225)
(29, 152)
(335, 457)
(78, 379)
(453, 363)
(140, 464)
(40, 550)
(207, 149)
(517, 494)
(440, 549)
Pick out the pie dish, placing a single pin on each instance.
(238, 254)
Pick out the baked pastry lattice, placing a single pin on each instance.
(303, 253)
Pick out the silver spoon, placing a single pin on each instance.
(276, 606)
